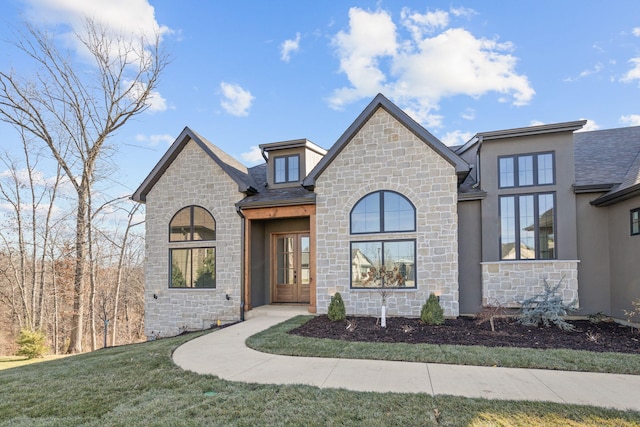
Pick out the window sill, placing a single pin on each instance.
(533, 261)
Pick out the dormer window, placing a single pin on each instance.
(287, 169)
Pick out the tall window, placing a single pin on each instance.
(192, 267)
(287, 169)
(383, 212)
(635, 222)
(526, 170)
(383, 262)
(527, 226)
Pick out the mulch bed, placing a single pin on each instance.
(605, 336)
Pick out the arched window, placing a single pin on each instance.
(383, 212)
(192, 223)
(192, 267)
(387, 262)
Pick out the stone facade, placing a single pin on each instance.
(509, 282)
(385, 155)
(192, 179)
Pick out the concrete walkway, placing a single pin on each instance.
(224, 354)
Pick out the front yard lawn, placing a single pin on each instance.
(279, 340)
(139, 385)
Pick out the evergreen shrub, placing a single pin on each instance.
(546, 308)
(336, 308)
(31, 344)
(432, 313)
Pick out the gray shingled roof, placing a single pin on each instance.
(609, 159)
(605, 156)
(274, 196)
(286, 196)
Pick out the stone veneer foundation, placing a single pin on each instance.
(510, 282)
(385, 155)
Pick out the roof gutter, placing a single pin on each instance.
(478, 168)
(618, 196)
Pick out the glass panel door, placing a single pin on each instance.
(290, 263)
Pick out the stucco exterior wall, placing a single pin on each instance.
(508, 283)
(624, 253)
(562, 145)
(505, 281)
(469, 256)
(384, 155)
(593, 249)
(192, 179)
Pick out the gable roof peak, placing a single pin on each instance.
(236, 170)
(380, 101)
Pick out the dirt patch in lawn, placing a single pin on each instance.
(605, 336)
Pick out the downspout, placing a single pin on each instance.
(478, 169)
(242, 262)
(264, 156)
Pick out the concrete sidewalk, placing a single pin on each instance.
(224, 354)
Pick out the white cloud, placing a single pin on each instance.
(155, 139)
(39, 179)
(288, 47)
(634, 73)
(463, 11)
(589, 126)
(424, 68)
(536, 123)
(420, 24)
(630, 120)
(595, 70)
(155, 101)
(253, 156)
(468, 114)
(636, 31)
(371, 36)
(456, 137)
(122, 16)
(236, 101)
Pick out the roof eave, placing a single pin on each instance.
(617, 196)
(277, 203)
(593, 188)
(533, 130)
(140, 195)
(478, 195)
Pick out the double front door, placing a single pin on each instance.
(290, 272)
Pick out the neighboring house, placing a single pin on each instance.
(390, 205)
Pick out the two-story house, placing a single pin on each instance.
(390, 206)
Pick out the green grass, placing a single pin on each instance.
(277, 340)
(7, 362)
(138, 385)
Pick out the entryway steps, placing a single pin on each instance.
(286, 311)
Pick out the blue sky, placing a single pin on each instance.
(244, 73)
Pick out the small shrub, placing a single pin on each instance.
(633, 316)
(490, 312)
(546, 308)
(31, 344)
(432, 313)
(598, 317)
(336, 308)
